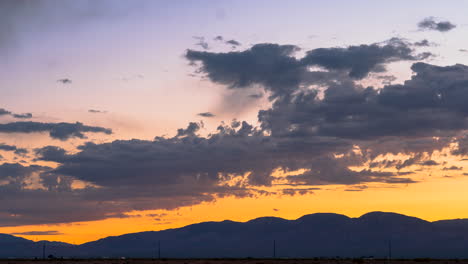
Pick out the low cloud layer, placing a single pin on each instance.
(39, 233)
(61, 131)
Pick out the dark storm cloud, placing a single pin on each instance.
(62, 131)
(430, 23)
(206, 114)
(4, 112)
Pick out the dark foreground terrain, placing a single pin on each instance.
(318, 235)
(239, 261)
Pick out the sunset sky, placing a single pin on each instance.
(124, 116)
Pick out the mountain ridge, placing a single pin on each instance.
(312, 235)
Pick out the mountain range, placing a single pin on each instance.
(375, 234)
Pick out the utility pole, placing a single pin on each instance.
(274, 248)
(43, 250)
(159, 249)
(389, 250)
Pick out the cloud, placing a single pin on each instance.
(430, 163)
(359, 61)
(430, 23)
(206, 114)
(61, 131)
(190, 131)
(187, 169)
(416, 108)
(16, 150)
(4, 112)
(65, 81)
(422, 43)
(39, 233)
(23, 116)
(19, 116)
(94, 111)
(322, 122)
(297, 191)
(452, 168)
(275, 67)
(256, 95)
(233, 43)
(271, 65)
(202, 43)
(7, 147)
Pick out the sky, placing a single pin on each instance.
(127, 116)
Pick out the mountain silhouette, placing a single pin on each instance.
(314, 235)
